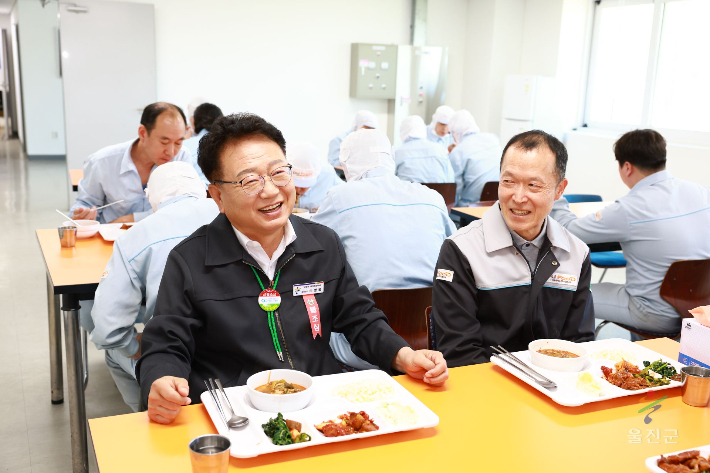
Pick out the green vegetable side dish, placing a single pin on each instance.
(280, 434)
(660, 367)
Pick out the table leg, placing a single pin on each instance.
(75, 381)
(55, 345)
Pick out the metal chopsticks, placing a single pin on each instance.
(216, 401)
(515, 362)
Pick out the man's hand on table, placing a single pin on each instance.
(84, 214)
(167, 395)
(427, 365)
(125, 219)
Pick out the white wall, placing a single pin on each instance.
(541, 36)
(287, 61)
(446, 26)
(493, 49)
(41, 82)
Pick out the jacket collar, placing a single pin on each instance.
(223, 247)
(497, 235)
(651, 179)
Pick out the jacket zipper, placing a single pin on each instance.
(276, 312)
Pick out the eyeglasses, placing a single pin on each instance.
(253, 184)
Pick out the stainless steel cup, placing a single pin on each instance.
(67, 236)
(210, 454)
(696, 385)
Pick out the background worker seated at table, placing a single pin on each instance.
(312, 178)
(121, 172)
(438, 130)
(391, 229)
(133, 273)
(515, 275)
(660, 220)
(418, 159)
(475, 158)
(363, 119)
(208, 322)
(203, 118)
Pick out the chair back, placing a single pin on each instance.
(447, 191)
(490, 191)
(403, 308)
(687, 285)
(577, 198)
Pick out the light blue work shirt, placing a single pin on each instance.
(476, 160)
(313, 198)
(136, 267)
(443, 141)
(392, 230)
(660, 221)
(419, 160)
(334, 148)
(110, 175)
(192, 145)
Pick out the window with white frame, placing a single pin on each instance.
(650, 68)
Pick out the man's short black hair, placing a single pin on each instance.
(645, 149)
(534, 139)
(205, 115)
(154, 110)
(232, 128)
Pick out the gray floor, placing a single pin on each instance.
(34, 434)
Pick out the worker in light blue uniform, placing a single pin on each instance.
(418, 159)
(136, 266)
(204, 116)
(660, 220)
(392, 230)
(312, 178)
(438, 130)
(363, 119)
(121, 172)
(475, 159)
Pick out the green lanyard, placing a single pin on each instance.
(270, 316)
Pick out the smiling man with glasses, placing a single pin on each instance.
(258, 289)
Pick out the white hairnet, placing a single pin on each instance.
(194, 103)
(306, 163)
(462, 124)
(412, 127)
(364, 118)
(363, 151)
(442, 115)
(172, 179)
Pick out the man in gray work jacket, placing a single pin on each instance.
(216, 315)
(660, 220)
(515, 275)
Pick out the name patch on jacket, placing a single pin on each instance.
(563, 281)
(445, 275)
(308, 288)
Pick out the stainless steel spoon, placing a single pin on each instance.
(234, 421)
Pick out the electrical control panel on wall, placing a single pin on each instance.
(373, 71)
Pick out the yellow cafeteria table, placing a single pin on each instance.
(489, 421)
(75, 176)
(71, 272)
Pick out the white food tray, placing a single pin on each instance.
(652, 462)
(566, 392)
(251, 441)
(111, 231)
